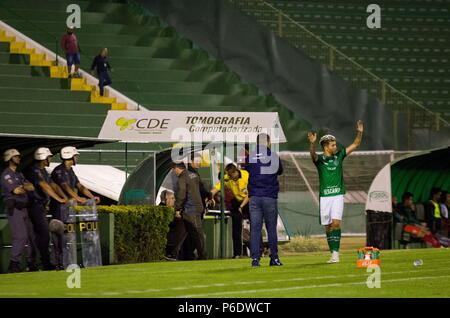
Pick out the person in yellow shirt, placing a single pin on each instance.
(236, 181)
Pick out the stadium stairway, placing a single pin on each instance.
(151, 63)
(410, 51)
(29, 55)
(33, 103)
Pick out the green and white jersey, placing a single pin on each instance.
(331, 177)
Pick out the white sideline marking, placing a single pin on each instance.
(155, 290)
(305, 287)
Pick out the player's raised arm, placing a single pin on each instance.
(312, 137)
(358, 138)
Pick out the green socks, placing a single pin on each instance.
(334, 240)
(330, 245)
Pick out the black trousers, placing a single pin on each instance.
(194, 228)
(38, 217)
(58, 241)
(175, 238)
(57, 211)
(236, 221)
(103, 80)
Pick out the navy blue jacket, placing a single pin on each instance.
(264, 167)
(101, 64)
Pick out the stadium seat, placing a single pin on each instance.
(412, 43)
(152, 65)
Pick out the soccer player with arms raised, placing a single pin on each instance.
(332, 188)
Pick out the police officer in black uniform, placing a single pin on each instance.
(64, 176)
(45, 189)
(14, 192)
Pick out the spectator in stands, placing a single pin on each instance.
(177, 231)
(15, 189)
(101, 63)
(433, 211)
(71, 47)
(45, 189)
(405, 214)
(445, 207)
(189, 204)
(264, 167)
(64, 176)
(237, 181)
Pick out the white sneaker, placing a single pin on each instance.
(334, 258)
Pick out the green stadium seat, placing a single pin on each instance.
(410, 52)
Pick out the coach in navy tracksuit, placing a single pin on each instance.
(101, 63)
(264, 167)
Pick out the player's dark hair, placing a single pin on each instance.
(325, 142)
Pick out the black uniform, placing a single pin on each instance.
(186, 251)
(59, 211)
(204, 192)
(62, 175)
(18, 220)
(38, 212)
(189, 200)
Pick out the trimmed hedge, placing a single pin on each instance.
(140, 231)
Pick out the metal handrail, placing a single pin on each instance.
(57, 40)
(384, 84)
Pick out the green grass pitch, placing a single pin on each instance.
(303, 275)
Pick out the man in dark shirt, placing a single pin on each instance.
(193, 166)
(45, 189)
(188, 246)
(15, 189)
(189, 203)
(101, 63)
(264, 167)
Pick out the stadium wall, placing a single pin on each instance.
(300, 83)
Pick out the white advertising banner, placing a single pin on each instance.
(174, 126)
(379, 197)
